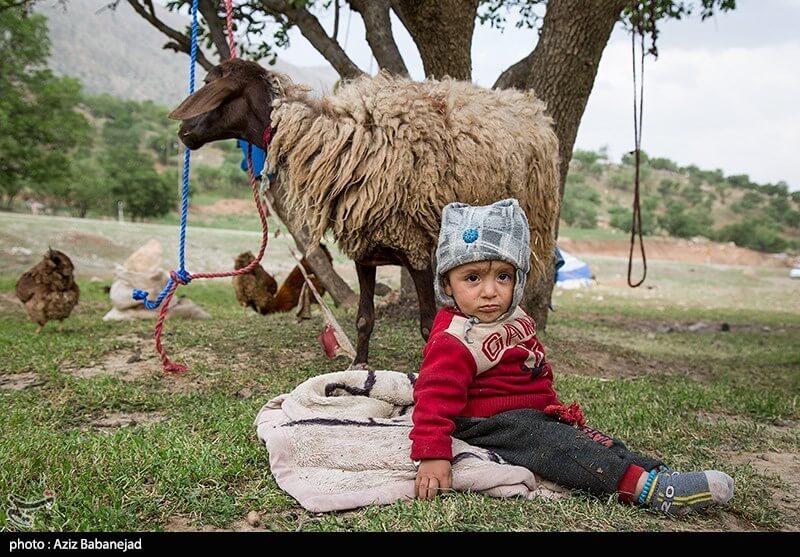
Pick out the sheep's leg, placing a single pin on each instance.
(423, 281)
(366, 311)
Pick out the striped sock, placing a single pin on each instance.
(681, 493)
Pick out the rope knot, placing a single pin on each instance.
(139, 295)
(181, 276)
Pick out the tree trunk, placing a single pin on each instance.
(442, 31)
(562, 73)
(342, 294)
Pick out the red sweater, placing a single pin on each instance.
(502, 368)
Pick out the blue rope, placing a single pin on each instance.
(184, 277)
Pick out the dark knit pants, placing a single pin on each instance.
(565, 454)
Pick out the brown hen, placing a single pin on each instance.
(48, 290)
(255, 289)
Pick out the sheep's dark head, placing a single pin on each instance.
(234, 103)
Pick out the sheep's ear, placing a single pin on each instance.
(206, 99)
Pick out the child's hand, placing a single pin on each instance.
(433, 476)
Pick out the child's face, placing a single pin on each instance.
(483, 289)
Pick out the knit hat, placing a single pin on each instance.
(496, 231)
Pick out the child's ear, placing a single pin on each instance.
(447, 288)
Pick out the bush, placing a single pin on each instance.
(667, 186)
(621, 179)
(621, 217)
(579, 207)
(754, 234)
(686, 223)
(741, 181)
(629, 159)
(660, 163)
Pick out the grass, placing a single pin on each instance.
(696, 399)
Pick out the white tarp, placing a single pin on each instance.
(575, 273)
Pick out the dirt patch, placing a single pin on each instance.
(86, 239)
(122, 419)
(776, 427)
(227, 207)
(20, 381)
(673, 326)
(10, 302)
(125, 364)
(675, 249)
(785, 466)
(587, 357)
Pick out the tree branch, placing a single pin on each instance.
(217, 26)
(378, 23)
(312, 30)
(515, 76)
(180, 42)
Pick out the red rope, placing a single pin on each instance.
(167, 364)
(229, 18)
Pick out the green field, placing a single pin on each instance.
(125, 447)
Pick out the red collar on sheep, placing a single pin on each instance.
(269, 131)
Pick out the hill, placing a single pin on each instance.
(119, 53)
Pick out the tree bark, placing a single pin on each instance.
(442, 31)
(378, 24)
(516, 76)
(563, 68)
(217, 26)
(342, 294)
(312, 30)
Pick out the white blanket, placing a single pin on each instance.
(340, 441)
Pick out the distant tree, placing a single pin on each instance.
(686, 223)
(668, 186)
(579, 207)
(84, 189)
(585, 157)
(721, 188)
(792, 218)
(693, 195)
(39, 125)
(781, 189)
(750, 200)
(629, 159)
(134, 181)
(741, 181)
(620, 217)
(660, 163)
(756, 234)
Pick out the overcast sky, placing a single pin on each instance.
(722, 94)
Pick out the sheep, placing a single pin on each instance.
(377, 161)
